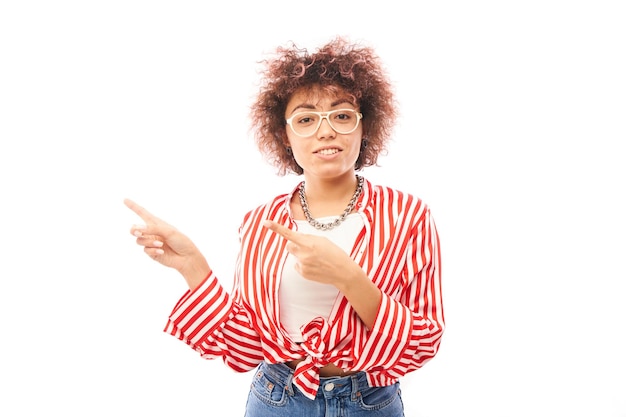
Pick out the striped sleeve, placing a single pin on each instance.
(210, 322)
(408, 327)
(218, 324)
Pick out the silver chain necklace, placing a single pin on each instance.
(336, 222)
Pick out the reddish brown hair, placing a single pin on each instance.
(338, 66)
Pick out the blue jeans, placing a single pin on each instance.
(273, 395)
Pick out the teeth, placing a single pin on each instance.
(328, 151)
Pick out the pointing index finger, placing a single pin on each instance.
(282, 230)
(145, 215)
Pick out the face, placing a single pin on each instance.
(324, 153)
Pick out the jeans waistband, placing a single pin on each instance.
(330, 386)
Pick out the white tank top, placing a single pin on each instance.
(301, 300)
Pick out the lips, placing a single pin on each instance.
(327, 151)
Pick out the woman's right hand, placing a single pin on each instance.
(168, 246)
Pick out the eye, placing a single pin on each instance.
(306, 119)
(343, 116)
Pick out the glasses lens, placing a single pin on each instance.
(305, 124)
(342, 121)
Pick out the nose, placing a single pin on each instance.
(325, 130)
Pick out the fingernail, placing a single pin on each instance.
(157, 243)
(137, 233)
(160, 251)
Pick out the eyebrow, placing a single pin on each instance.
(312, 107)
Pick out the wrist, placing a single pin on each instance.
(352, 281)
(195, 272)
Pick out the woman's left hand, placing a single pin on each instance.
(317, 258)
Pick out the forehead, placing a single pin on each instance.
(317, 96)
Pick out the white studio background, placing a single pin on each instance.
(512, 129)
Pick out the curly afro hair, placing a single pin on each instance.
(339, 67)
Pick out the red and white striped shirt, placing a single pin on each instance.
(398, 248)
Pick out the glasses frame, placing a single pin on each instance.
(325, 115)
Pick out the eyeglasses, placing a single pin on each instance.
(342, 121)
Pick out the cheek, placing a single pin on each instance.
(297, 151)
(356, 146)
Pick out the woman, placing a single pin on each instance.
(337, 290)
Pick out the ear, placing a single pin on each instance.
(286, 141)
